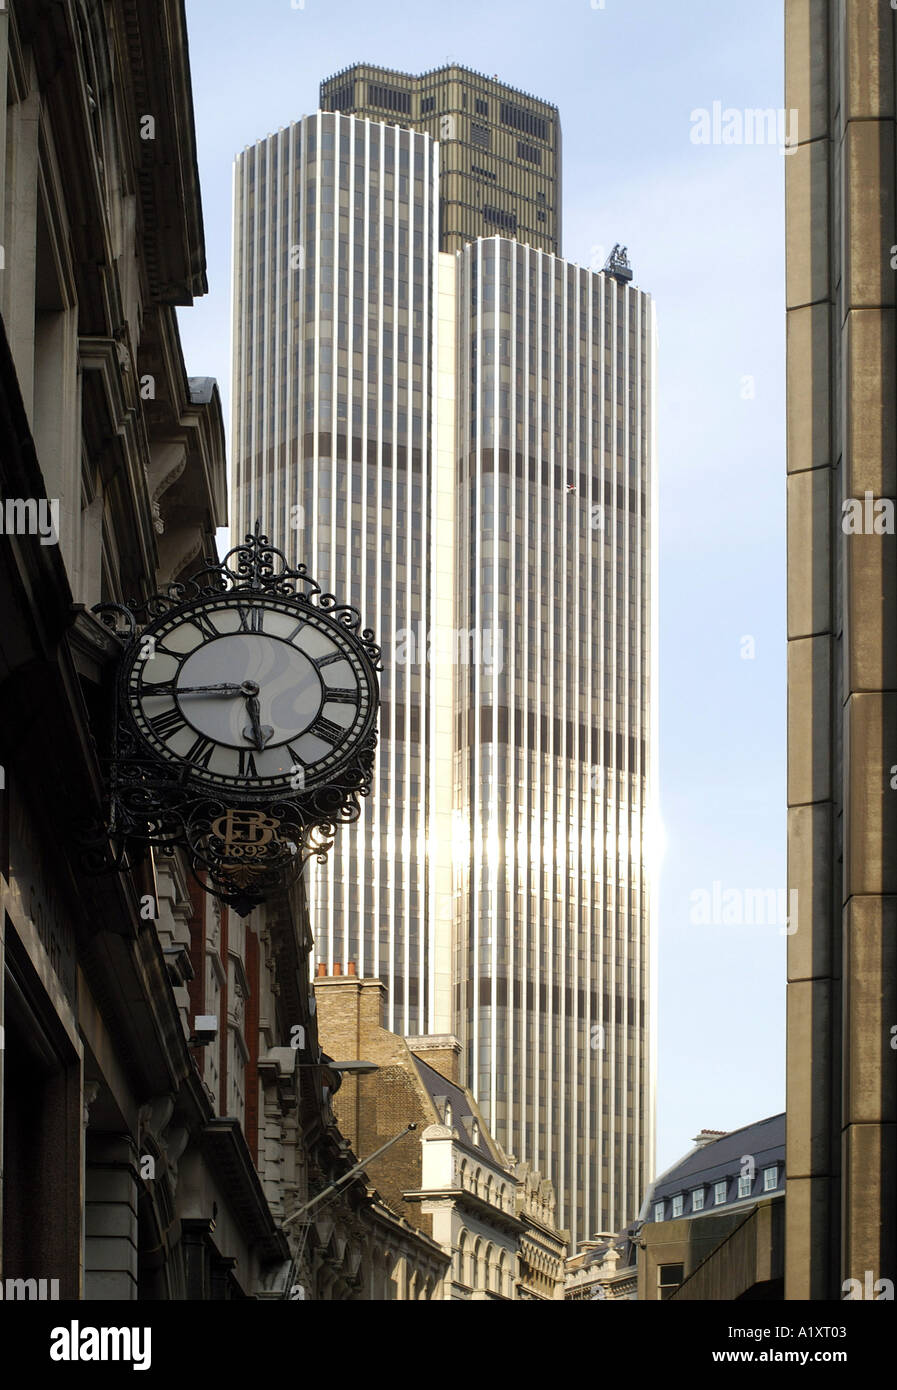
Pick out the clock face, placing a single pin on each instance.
(252, 693)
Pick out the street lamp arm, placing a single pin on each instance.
(363, 1163)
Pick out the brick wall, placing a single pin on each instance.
(371, 1109)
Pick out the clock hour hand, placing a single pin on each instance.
(259, 733)
(210, 690)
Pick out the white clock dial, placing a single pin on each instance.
(257, 693)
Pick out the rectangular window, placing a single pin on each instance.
(390, 98)
(343, 97)
(658, 1211)
(481, 107)
(495, 217)
(697, 1199)
(529, 152)
(744, 1186)
(678, 1203)
(524, 121)
(719, 1192)
(770, 1178)
(479, 136)
(669, 1277)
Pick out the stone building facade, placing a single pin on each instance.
(841, 186)
(450, 1178)
(542, 1249)
(603, 1269)
(113, 461)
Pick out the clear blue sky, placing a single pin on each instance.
(704, 225)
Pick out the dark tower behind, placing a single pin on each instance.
(500, 149)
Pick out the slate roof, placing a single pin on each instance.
(441, 1090)
(721, 1158)
(623, 1243)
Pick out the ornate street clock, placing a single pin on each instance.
(245, 724)
(261, 696)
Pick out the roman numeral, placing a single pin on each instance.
(340, 695)
(157, 688)
(201, 751)
(297, 761)
(205, 625)
(328, 731)
(247, 766)
(252, 619)
(320, 661)
(166, 725)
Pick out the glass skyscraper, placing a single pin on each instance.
(552, 965)
(460, 443)
(335, 306)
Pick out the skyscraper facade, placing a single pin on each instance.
(334, 438)
(499, 148)
(552, 968)
(460, 442)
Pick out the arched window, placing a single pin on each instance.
(479, 1266)
(461, 1260)
(491, 1269)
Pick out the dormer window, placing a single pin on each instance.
(447, 1119)
(475, 1133)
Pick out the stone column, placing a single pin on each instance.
(110, 1216)
(841, 1139)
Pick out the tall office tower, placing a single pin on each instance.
(334, 442)
(841, 186)
(552, 765)
(499, 148)
(464, 443)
